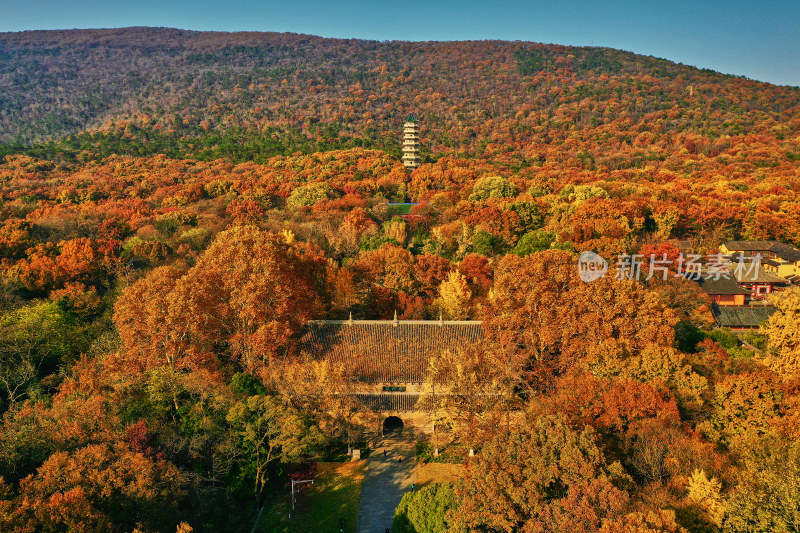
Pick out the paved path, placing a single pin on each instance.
(385, 482)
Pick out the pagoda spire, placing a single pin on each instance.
(411, 158)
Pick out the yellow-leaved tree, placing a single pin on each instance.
(783, 331)
(704, 494)
(454, 297)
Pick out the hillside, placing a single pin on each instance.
(248, 96)
(176, 206)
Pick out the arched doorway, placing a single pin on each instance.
(392, 424)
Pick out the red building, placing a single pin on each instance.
(757, 280)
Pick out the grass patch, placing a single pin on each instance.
(399, 209)
(330, 505)
(438, 473)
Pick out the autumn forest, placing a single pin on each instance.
(176, 206)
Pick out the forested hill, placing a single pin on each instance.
(250, 96)
(176, 206)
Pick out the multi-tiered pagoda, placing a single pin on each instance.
(411, 143)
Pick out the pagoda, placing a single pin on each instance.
(411, 158)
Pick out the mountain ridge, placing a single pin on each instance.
(63, 82)
(115, 31)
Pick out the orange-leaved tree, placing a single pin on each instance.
(541, 476)
(541, 310)
(248, 294)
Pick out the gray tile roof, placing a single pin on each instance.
(387, 351)
(397, 401)
(787, 252)
(761, 274)
(749, 246)
(742, 317)
(721, 286)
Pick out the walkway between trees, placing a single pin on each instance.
(385, 482)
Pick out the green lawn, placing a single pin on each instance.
(330, 505)
(399, 209)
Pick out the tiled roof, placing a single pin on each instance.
(723, 285)
(742, 317)
(402, 402)
(749, 246)
(682, 245)
(387, 351)
(761, 275)
(787, 252)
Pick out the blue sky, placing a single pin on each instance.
(759, 39)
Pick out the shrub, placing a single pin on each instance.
(425, 510)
